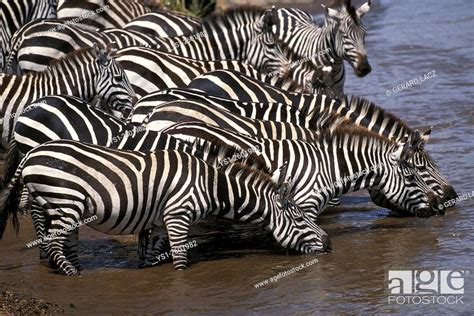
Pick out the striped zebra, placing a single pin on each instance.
(164, 24)
(358, 110)
(88, 73)
(342, 37)
(15, 14)
(314, 166)
(102, 13)
(66, 117)
(151, 70)
(72, 181)
(246, 29)
(41, 42)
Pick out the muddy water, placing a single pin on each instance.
(405, 41)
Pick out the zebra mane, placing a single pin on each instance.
(353, 135)
(346, 6)
(327, 121)
(361, 105)
(247, 13)
(77, 54)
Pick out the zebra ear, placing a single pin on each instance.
(363, 9)
(402, 150)
(101, 54)
(416, 140)
(425, 137)
(268, 19)
(331, 13)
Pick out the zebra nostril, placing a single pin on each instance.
(327, 246)
(449, 193)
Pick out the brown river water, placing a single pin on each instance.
(406, 39)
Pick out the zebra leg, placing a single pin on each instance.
(24, 203)
(334, 202)
(152, 243)
(62, 246)
(178, 229)
(71, 249)
(40, 221)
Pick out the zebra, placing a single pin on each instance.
(41, 42)
(151, 70)
(341, 38)
(73, 180)
(255, 44)
(17, 13)
(164, 24)
(318, 164)
(358, 110)
(88, 73)
(102, 14)
(75, 119)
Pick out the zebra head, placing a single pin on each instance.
(112, 85)
(428, 169)
(401, 188)
(294, 229)
(350, 34)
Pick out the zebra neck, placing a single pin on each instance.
(358, 165)
(242, 197)
(73, 77)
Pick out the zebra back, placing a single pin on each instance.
(151, 70)
(59, 39)
(164, 24)
(102, 14)
(173, 112)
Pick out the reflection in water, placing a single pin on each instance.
(405, 40)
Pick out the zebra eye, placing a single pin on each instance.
(118, 78)
(410, 177)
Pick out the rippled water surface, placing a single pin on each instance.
(406, 39)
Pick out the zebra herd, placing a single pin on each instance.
(152, 121)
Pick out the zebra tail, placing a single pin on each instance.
(8, 201)
(10, 163)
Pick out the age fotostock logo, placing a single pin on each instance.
(426, 286)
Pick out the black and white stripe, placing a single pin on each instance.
(15, 14)
(88, 74)
(315, 165)
(72, 181)
(102, 14)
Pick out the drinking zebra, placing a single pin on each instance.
(66, 117)
(72, 181)
(15, 14)
(88, 73)
(345, 152)
(358, 110)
